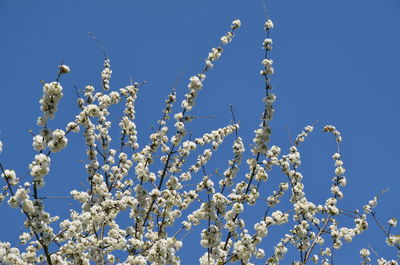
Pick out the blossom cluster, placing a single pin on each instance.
(52, 94)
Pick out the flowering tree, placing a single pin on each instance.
(166, 191)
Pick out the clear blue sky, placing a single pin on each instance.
(336, 62)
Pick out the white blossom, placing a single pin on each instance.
(64, 69)
(268, 24)
(393, 222)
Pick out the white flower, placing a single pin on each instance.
(326, 252)
(261, 229)
(260, 253)
(93, 110)
(195, 83)
(267, 62)
(393, 222)
(372, 203)
(268, 24)
(72, 126)
(269, 70)
(110, 259)
(339, 171)
(224, 40)
(209, 64)
(64, 69)
(279, 217)
(364, 252)
(267, 44)
(104, 101)
(24, 237)
(57, 142)
(9, 175)
(392, 240)
(236, 24)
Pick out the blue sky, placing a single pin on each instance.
(336, 62)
